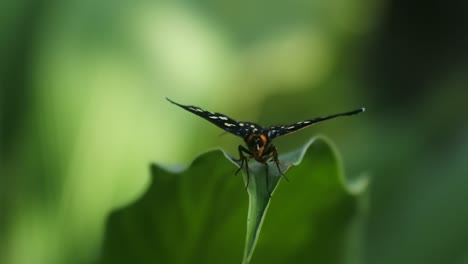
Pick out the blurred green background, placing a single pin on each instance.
(82, 109)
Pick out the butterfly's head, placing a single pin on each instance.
(257, 143)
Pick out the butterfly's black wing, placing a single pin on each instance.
(241, 129)
(279, 130)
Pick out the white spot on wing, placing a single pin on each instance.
(291, 127)
(213, 117)
(223, 118)
(252, 126)
(198, 110)
(306, 122)
(229, 125)
(241, 124)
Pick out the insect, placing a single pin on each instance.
(257, 138)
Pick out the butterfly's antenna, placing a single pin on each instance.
(223, 134)
(354, 112)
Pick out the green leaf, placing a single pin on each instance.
(197, 214)
(262, 181)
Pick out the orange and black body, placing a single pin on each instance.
(258, 144)
(257, 138)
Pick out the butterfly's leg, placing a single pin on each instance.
(274, 152)
(266, 178)
(244, 160)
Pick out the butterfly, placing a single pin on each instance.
(257, 138)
